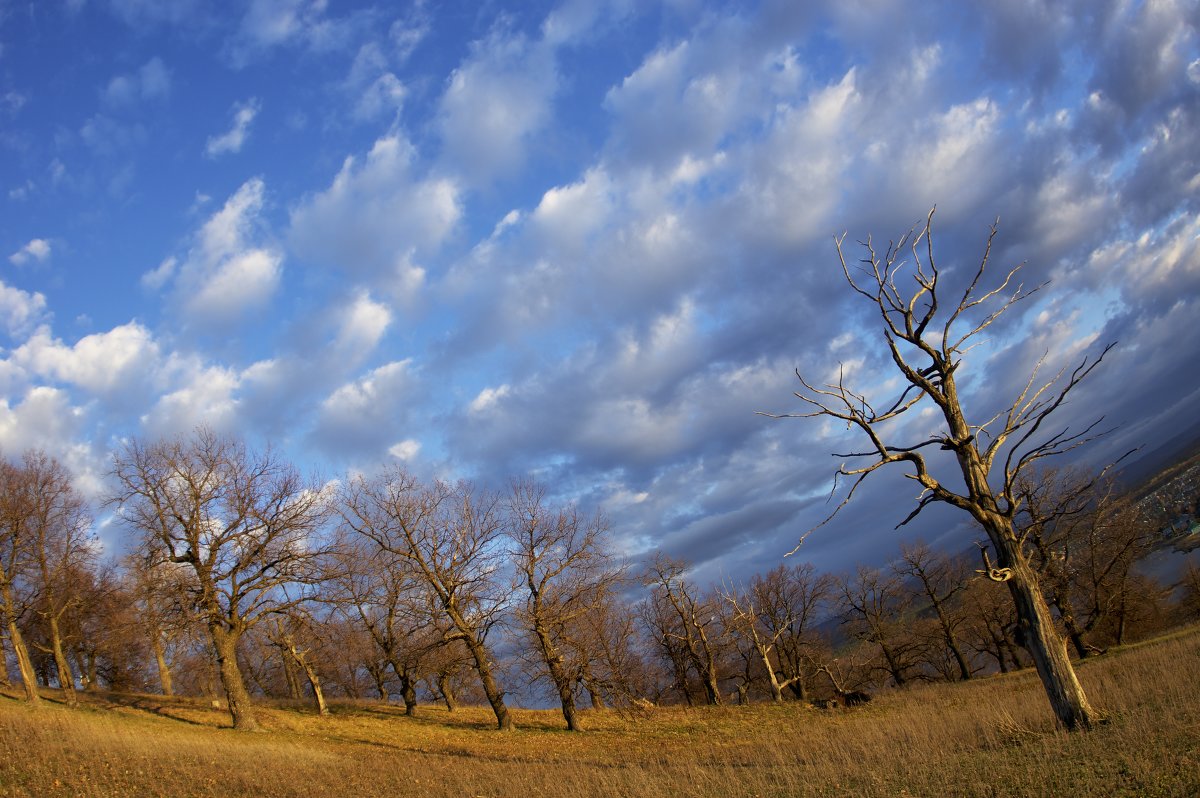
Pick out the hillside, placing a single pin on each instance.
(986, 738)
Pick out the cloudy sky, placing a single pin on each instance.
(584, 241)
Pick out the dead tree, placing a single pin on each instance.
(926, 345)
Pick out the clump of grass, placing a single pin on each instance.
(992, 737)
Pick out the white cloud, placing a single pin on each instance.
(247, 279)
(118, 360)
(376, 212)
(38, 249)
(20, 310)
(495, 103)
(232, 140)
(207, 396)
(151, 82)
(44, 419)
(231, 268)
(406, 450)
(363, 323)
(488, 398)
(360, 416)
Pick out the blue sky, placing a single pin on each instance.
(583, 241)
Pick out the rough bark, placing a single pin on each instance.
(21, 652)
(447, 691)
(232, 682)
(160, 660)
(66, 679)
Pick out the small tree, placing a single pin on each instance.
(694, 628)
(449, 536)
(926, 347)
(565, 575)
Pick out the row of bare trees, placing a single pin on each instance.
(244, 577)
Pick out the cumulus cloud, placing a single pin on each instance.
(360, 417)
(231, 267)
(494, 105)
(233, 139)
(37, 249)
(21, 310)
(102, 363)
(377, 212)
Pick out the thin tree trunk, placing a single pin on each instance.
(447, 691)
(66, 679)
(20, 650)
(160, 659)
(240, 709)
(495, 696)
(314, 679)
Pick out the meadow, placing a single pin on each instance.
(988, 737)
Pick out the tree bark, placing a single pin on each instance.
(483, 666)
(240, 709)
(66, 679)
(160, 659)
(20, 650)
(24, 664)
(314, 680)
(1043, 642)
(447, 691)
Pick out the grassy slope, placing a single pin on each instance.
(994, 737)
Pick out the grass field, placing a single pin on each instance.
(993, 737)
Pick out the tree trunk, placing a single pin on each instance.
(24, 663)
(314, 681)
(160, 659)
(595, 695)
(1042, 640)
(240, 709)
(562, 684)
(447, 691)
(495, 696)
(66, 679)
(20, 650)
(964, 670)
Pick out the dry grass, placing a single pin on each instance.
(995, 737)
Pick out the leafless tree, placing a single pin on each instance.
(62, 550)
(1084, 539)
(693, 626)
(927, 344)
(379, 591)
(246, 523)
(773, 615)
(878, 610)
(450, 537)
(16, 565)
(940, 579)
(565, 574)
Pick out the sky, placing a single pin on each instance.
(583, 242)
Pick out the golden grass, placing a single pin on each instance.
(994, 737)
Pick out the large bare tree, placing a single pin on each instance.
(246, 523)
(927, 339)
